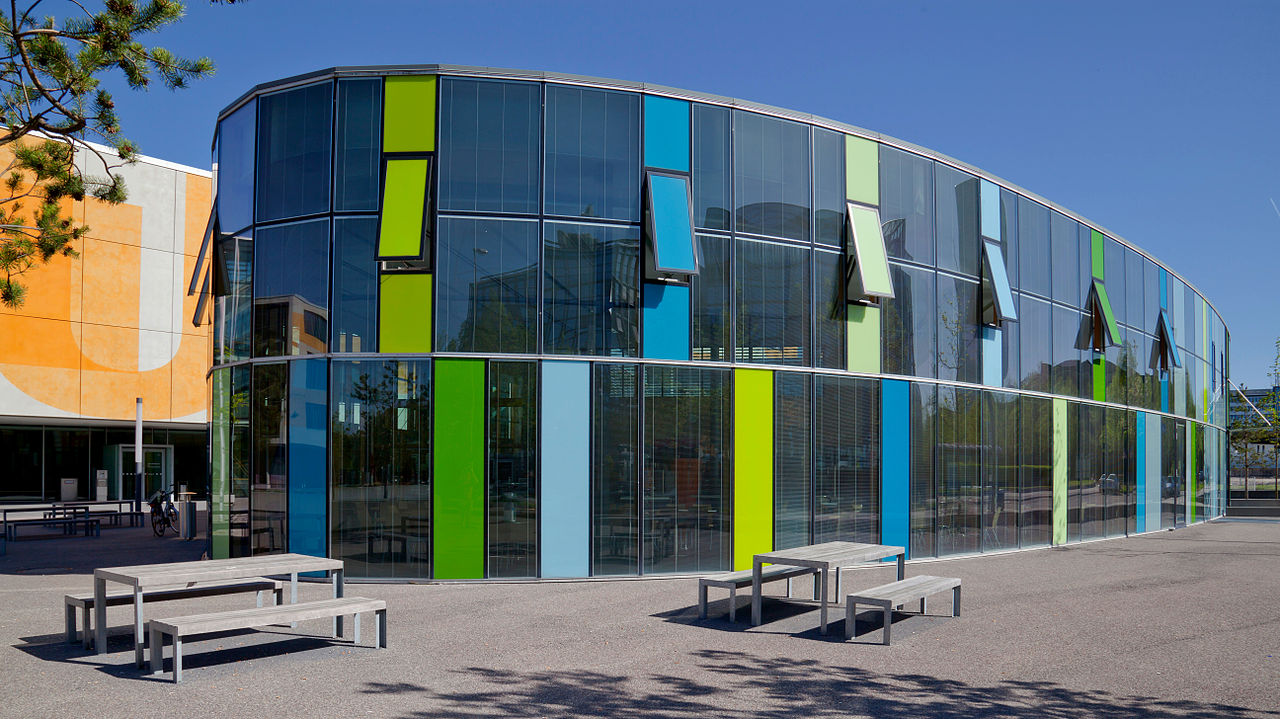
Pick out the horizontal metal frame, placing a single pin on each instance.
(677, 93)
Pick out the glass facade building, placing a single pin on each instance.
(483, 324)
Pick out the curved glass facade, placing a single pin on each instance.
(478, 325)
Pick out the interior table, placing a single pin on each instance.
(822, 557)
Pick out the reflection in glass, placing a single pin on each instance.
(268, 528)
(711, 167)
(592, 153)
(1035, 471)
(1173, 435)
(235, 167)
(355, 285)
(792, 489)
(1065, 240)
(294, 147)
(1070, 363)
(711, 303)
(958, 478)
(959, 334)
(957, 220)
(847, 460)
(686, 469)
(924, 436)
(906, 205)
(615, 511)
(771, 176)
(241, 461)
(358, 148)
(999, 449)
(380, 424)
(290, 289)
(489, 142)
(512, 534)
(910, 325)
(487, 285)
(829, 310)
(1034, 265)
(828, 187)
(591, 290)
(772, 293)
(1009, 234)
(233, 311)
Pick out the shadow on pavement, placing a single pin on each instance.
(783, 688)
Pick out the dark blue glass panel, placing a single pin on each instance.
(591, 290)
(773, 297)
(354, 326)
(269, 491)
(489, 144)
(487, 285)
(956, 195)
(711, 150)
(712, 290)
(771, 176)
(358, 160)
(512, 531)
(592, 153)
(235, 167)
(233, 311)
(829, 310)
(792, 460)
(847, 460)
(615, 506)
(828, 187)
(294, 150)
(910, 326)
(906, 205)
(290, 289)
(1065, 241)
(1034, 264)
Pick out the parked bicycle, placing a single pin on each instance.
(164, 515)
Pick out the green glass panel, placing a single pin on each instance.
(864, 339)
(861, 170)
(404, 313)
(409, 114)
(1059, 471)
(457, 504)
(404, 199)
(870, 276)
(1100, 380)
(220, 467)
(1099, 264)
(752, 465)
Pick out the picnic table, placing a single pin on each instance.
(144, 577)
(822, 557)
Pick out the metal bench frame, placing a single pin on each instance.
(734, 581)
(890, 596)
(92, 526)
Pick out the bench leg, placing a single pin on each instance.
(955, 602)
(788, 587)
(99, 615)
(924, 605)
(888, 623)
(86, 634)
(138, 628)
(355, 628)
(278, 593)
(838, 570)
(257, 597)
(822, 613)
(380, 629)
(177, 659)
(70, 622)
(733, 604)
(156, 646)
(338, 578)
(850, 618)
(702, 601)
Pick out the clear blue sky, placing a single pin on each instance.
(1158, 120)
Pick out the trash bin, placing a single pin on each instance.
(69, 485)
(187, 520)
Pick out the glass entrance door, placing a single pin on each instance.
(156, 473)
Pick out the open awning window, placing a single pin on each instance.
(403, 220)
(210, 233)
(997, 296)
(866, 262)
(1166, 356)
(1102, 319)
(670, 251)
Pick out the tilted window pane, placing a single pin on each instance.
(773, 297)
(355, 285)
(1034, 264)
(958, 220)
(686, 469)
(959, 334)
(669, 227)
(997, 298)
(489, 143)
(615, 507)
(847, 460)
(771, 176)
(404, 203)
(291, 289)
(591, 290)
(869, 274)
(906, 205)
(828, 187)
(792, 488)
(830, 310)
(910, 323)
(486, 285)
(358, 160)
(294, 150)
(711, 167)
(592, 153)
(712, 290)
(512, 535)
(269, 495)
(1103, 300)
(236, 154)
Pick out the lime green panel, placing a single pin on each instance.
(409, 114)
(404, 313)
(752, 465)
(1059, 471)
(1100, 380)
(861, 170)
(1191, 472)
(872, 263)
(404, 201)
(457, 506)
(1099, 263)
(864, 338)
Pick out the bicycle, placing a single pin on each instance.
(163, 514)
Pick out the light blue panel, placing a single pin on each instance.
(1164, 394)
(308, 449)
(991, 211)
(992, 357)
(566, 469)
(666, 321)
(1140, 454)
(895, 463)
(666, 133)
(1153, 472)
(672, 224)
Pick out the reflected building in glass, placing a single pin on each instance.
(474, 324)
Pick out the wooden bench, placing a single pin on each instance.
(734, 581)
(92, 526)
(85, 601)
(889, 596)
(180, 627)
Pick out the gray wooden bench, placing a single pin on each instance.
(180, 627)
(733, 581)
(890, 596)
(92, 526)
(85, 602)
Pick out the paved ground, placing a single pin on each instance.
(1181, 624)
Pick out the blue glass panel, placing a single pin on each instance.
(672, 226)
(992, 357)
(666, 133)
(235, 168)
(895, 444)
(1140, 454)
(294, 152)
(308, 428)
(566, 469)
(290, 289)
(666, 321)
(991, 210)
(592, 153)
